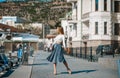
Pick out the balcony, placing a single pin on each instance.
(72, 0)
(116, 16)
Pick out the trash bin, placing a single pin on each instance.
(118, 64)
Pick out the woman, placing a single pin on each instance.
(58, 49)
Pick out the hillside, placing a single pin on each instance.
(47, 12)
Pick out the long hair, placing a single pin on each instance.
(60, 30)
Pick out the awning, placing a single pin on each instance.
(25, 37)
(12, 29)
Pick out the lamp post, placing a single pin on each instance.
(43, 33)
(66, 36)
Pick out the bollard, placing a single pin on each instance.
(81, 52)
(91, 56)
(76, 52)
(118, 64)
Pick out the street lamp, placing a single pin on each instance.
(43, 33)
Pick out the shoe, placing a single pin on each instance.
(69, 71)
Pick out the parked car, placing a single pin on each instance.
(105, 49)
(5, 63)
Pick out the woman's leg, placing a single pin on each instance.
(66, 65)
(55, 71)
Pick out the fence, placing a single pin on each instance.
(82, 52)
(93, 53)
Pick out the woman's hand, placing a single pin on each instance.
(68, 50)
(65, 49)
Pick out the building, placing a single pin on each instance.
(93, 23)
(36, 25)
(11, 20)
(10, 35)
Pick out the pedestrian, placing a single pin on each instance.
(31, 50)
(56, 55)
(20, 53)
(50, 48)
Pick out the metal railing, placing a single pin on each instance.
(93, 53)
(79, 52)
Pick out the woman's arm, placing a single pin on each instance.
(64, 45)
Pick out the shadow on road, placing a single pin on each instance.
(38, 64)
(81, 71)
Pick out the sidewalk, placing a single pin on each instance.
(23, 71)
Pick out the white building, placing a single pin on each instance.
(11, 20)
(36, 25)
(93, 22)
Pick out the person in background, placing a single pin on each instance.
(31, 50)
(20, 53)
(56, 55)
(50, 48)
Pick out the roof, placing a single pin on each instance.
(12, 29)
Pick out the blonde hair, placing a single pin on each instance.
(60, 30)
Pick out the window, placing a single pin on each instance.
(96, 5)
(75, 29)
(105, 5)
(96, 27)
(111, 5)
(105, 27)
(116, 28)
(117, 6)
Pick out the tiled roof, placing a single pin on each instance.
(13, 29)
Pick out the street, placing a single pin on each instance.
(80, 68)
(39, 67)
